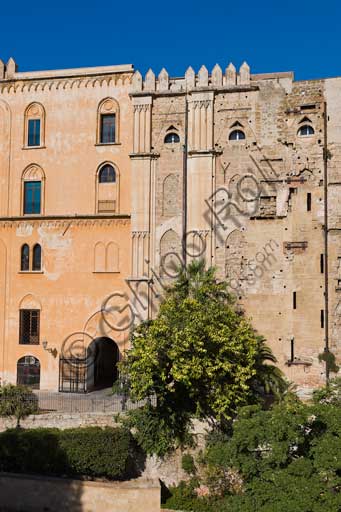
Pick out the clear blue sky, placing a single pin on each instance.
(302, 36)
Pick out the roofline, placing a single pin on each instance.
(72, 72)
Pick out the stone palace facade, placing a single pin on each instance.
(110, 181)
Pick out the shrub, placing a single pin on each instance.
(187, 464)
(156, 430)
(17, 401)
(90, 451)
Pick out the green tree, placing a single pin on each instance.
(288, 458)
(17, 401)
(199, 357)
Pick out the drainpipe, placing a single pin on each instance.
(325, 191)
(184, 189)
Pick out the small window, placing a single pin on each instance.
(322, 263)
(29, 327)
(25, 258)
(107, 174)
(306, 131)
(32, 197)
(28, 372)
(308, 202)
(237, 135)
(108, 123)
(172, 138)
(322, 318)
(36, 262)
(294, 300)
(33, 132)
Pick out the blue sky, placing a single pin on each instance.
(301, 36)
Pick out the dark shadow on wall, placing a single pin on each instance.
(26, 493)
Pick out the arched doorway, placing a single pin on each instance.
(28, 372)
(104, 355)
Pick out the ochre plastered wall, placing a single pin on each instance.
(85, 255)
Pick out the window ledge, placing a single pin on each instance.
(34, 147)
(31, 272)
(108, 144)
(106, 271)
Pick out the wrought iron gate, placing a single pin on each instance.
(72, 375)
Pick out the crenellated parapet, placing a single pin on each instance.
(192, 81)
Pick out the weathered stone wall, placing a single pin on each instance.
(61, 420)
(257, 202)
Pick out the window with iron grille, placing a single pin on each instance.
(107, 128)
(28, 372)
(29, 326)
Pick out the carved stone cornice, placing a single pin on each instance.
(65, 221)
(9, 87)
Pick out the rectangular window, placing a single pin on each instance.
(32, 197)
(107, 135)
(29, 326)
(308, 202)
(322, 264)
(33, 132)
(294, 300)
(322, 318)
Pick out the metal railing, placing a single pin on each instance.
(73, 403)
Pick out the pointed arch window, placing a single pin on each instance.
(33, 180)
(107, 174)
(34, 131)
(108, 122)
(36, 259)
(25, 258)
(107, 189)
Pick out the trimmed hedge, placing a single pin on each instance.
(92, 451)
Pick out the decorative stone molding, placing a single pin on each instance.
(52, 84)
(142, 124)
(63, 222)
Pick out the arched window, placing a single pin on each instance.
(107, 174)
(172, 138)
(36, 261)
(34, 125)
(108, 122)
(33, 179)
(25, 258)
(306, 131)
(28, 372)
(237, 135)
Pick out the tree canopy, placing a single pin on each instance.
(200, 357)
(287, 458)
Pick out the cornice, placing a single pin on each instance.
(9, 87)
(66, 220)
